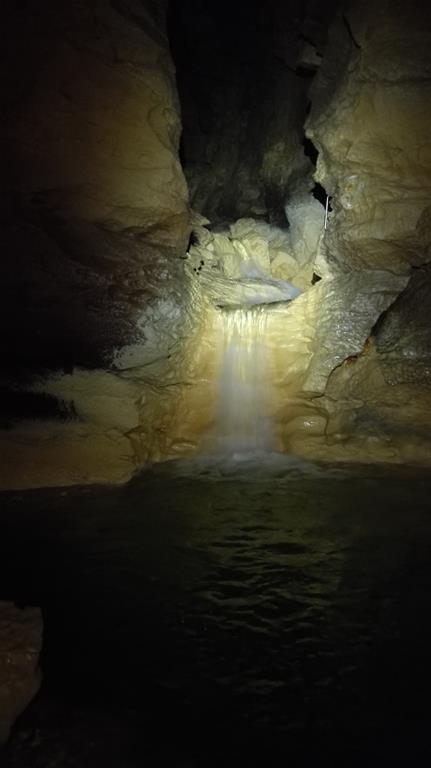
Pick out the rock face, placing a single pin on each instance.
(94, 219)
(370, 121)
(94, 118)
(20, 645)
(95, 205)
(403, 337)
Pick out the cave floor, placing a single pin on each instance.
(217, 614)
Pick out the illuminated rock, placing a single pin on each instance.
(90, 140)
(345, 311)
(370, 119)
(95, 200)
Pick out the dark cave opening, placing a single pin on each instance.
(310, 150)
(19, 404)
(307, 72)
(244, 101)
(320, 194)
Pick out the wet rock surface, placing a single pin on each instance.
(20, 676)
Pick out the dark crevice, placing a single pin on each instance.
(310, 150)
(182, 152)
(223, 76)
(278, 218)
(351, 35)
(308, 40)
(143, 18)
(320, 194)
(17, 405)
(302, 71)
(379, 323)
(418, 276)
(193, 240)
(275, 203)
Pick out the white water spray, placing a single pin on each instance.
(243, 423)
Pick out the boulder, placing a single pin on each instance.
(20, 676)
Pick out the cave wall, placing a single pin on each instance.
(122, 326)
(95, 222)
(94, 201)
(370, 121)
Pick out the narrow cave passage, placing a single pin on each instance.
(318, 192)
(243, 94)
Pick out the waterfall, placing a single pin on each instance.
(243, 420)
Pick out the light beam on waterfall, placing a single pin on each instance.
(244, 423)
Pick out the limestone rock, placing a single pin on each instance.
(306, 218)
(255, 244)
(370, 118)
(20, 676)
(379, 421)
(253, 249)
(346, 309)
(403, 337)
(283, 265)
(369, 121)
(105, 399)
(96, 135)
(36, 454)
(236, 293)
(94, 200)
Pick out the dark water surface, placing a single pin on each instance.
(218, 615)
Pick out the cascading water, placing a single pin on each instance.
(243, 420)
(244, 423)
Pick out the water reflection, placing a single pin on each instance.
(276, 604)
